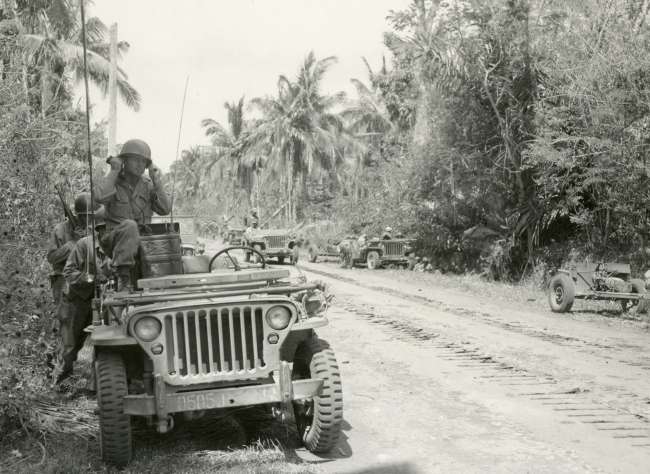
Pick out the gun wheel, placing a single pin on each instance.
(638, 286)
(318, 420)
(561, 293)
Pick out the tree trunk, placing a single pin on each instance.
(46, 91)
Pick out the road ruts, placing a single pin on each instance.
(585, 388)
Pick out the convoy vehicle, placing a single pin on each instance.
(190, 244)
(235, 236)
(329, 248)
(375, 253)
(194, 339)
(596, 281)
(275, 243)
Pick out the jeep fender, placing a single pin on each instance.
(111, 336)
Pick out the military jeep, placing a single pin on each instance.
(214, 339)
(275, 243)
(234, 236)
(374, 253)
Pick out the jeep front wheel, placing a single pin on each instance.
(372, 260)
(293, 260)
(256, 257)
(114, 426)
(319, 419)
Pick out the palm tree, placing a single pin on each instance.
(298, 131)
(52, 43)
(231, 144)
(368, 120)
(186, 175)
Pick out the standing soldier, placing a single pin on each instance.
(130, 198)
(63, 240)
(81, 275)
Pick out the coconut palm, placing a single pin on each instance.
(368, 120)
(298, 131)
(231, 143)
(51, 39)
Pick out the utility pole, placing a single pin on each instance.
(112, 91)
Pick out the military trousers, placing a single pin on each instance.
(122, 243)
(75, 315)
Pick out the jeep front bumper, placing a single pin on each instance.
(277, 253)
(284, 390)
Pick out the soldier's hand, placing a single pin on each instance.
(115, 162)
(154, 173)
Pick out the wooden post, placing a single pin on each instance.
(112, 91)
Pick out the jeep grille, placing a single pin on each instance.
(394, 249)
(215, 341)
(276, 241)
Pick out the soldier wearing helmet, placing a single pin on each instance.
(63, 239)
(81, 275)
(130, 199)
(388, 234)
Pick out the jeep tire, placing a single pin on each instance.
(372, 260)
(561, 293)
(318, 420)
(115, 442)
(293, 260)
(256, 257)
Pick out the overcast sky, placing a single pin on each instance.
(229, 48)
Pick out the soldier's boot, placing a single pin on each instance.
(124, 279)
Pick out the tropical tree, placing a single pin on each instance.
(50, 36)
(299, 132)
(230, 144)
(368, 120)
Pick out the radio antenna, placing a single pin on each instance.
(88, 148)
(178, 145)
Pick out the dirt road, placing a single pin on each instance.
(440, 381)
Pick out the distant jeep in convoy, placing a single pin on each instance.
(275, 243)
(199, 336)
(374, 253)
(235, 236)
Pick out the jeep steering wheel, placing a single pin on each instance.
(234, 262)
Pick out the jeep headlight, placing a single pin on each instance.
(147, 328)
(278, 317)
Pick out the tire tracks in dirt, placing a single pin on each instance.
(624, 415)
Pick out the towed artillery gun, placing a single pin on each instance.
(599, 281)
(204, 334)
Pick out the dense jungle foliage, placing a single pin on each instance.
(503, 134)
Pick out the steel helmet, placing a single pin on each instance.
(100, 217)
(136, 147)
(388, 229)
(82, 204)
